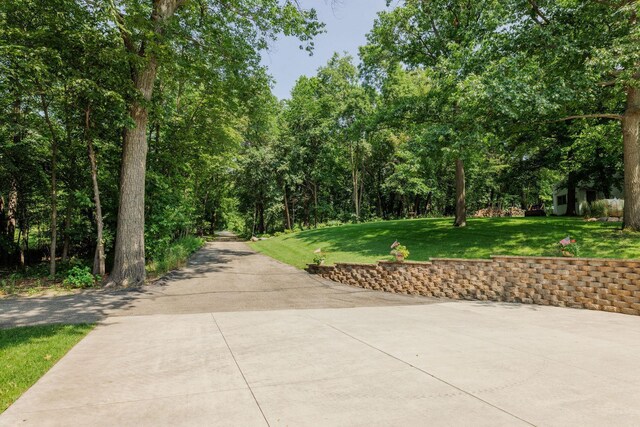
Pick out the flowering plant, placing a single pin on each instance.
(320, 257)
(399, 251)
(568, 247)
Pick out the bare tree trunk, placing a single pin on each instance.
(427, 205)
(356, 198)
(67, 238)
(261, 225)
(8, 215)
(461, 210)
(315, 205)
(354, 182)
(54, 191)
(571, 194)
(20, 250)
(129, 258)
(630, 129)
(99, 256)
(287, 216)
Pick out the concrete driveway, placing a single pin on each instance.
(240, 339)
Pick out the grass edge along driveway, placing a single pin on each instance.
(437, 238)
(28, 352)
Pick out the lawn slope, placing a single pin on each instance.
(435, 237)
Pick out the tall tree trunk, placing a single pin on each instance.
(54, 190)
(571, 194)
(129, 261)
(66, 237)
(356, 193)
(315, 205)
(461, 209)
(99, 256)
(12, 211)
(630, 129)
(287, 216)
(354, 182)
(20, 250)
(261, 225)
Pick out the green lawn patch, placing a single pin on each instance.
(27, 353)
(436, 237)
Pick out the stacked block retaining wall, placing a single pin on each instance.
(598, 284)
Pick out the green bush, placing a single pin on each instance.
(599, 209)
(79, 277)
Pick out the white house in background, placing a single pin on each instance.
(584, 194)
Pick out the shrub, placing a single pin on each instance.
(79, 277)
(399, 250)
(334, 223)
(599, 208)
(585, 209)
(174, 256)
(319, 257)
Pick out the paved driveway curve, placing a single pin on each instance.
(240, 339)
(223, 276)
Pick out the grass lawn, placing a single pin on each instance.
(436, 237)
(26, 353)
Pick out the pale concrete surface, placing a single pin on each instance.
(443, 363)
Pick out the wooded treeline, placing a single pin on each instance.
(130, 123)
(122, 120)
(457, 106)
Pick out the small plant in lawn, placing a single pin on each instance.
(320, 257)
(400, 252)
(568, 247)
(79, 277)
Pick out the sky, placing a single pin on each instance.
(346, 24)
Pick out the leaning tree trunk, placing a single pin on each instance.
(461, 210)
(287, 215)
(630, 129)
(99, 256)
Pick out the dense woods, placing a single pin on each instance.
(129, 124)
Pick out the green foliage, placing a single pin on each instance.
(27, 353)
(398, 250)
(79, 277)
(174, 256)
